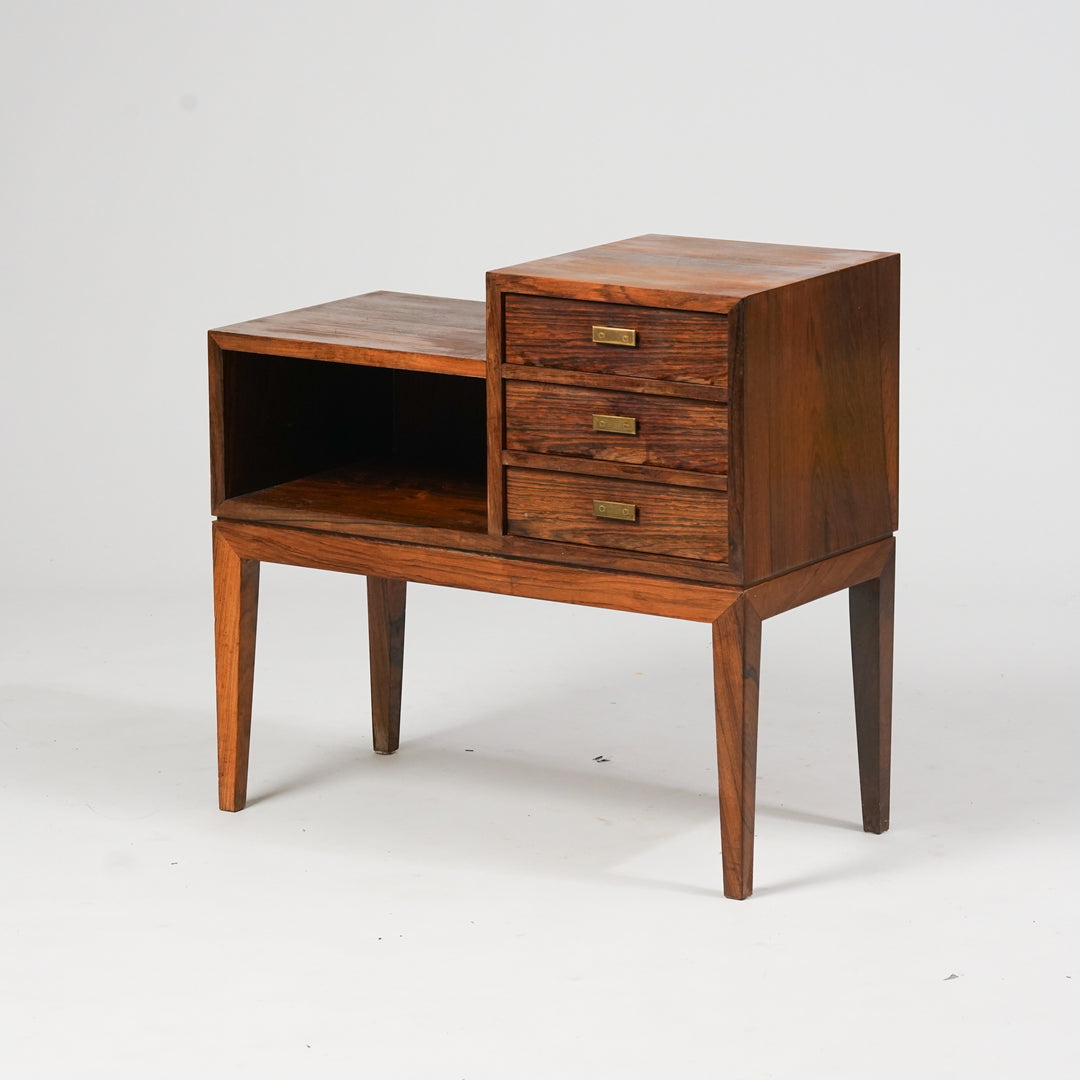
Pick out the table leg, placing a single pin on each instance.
(236, 606)
(736, 656)
(386, 642)
(870, 606)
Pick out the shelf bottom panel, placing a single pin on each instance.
(363, 492)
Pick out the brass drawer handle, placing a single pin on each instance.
(624, 425)
(613, 335)
(604, 508)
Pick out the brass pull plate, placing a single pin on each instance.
(624, 425)
(613, 335)
(605, 508)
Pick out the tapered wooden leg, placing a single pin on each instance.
(871, 610)
(236, 607)
(386, 641)
(736, 655)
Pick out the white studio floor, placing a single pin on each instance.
(492, 903)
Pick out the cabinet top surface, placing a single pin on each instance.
(715, 273)
(386, 322)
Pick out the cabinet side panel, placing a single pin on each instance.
(737, 526)
(888, 282)
(496, 489)
(217, 425)
(819, 415)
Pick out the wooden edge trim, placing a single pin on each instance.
(495, 424)
(217, 423)
(819, 579)
(622, 384)
(596, 467)
(735, 475)
(571, 288)
(510, 576)
(470, 367)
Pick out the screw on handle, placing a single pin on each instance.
(617, 511)
(622, 425)
(614, 335)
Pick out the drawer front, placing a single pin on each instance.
(677, 346)
(685, 522)
(637, 429)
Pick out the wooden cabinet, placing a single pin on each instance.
(697, 428)
(772, 367)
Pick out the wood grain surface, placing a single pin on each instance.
(682, 272)
(815, 417)
(360, 493)
(675, 521)
(386, 648)
(378, 329)
(591, 467)
(512, 576)
(275, 419)
(670, 434)
(870, 606)
(619, 383)
(674, 346)
(736, 662)
(236, 609)
(356, 436)
(495, 428)
(818, 579)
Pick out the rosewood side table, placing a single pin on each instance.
(700, 429)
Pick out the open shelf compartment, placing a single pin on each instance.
(317, 442)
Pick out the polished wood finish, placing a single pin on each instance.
(671, 434)
(621, 383)
(426, 565)
(818, 421)
(736, 659)
(236, 605)
(815, 580)
(494, 431)
(812, 346)
(357, 494)
(386, 644)
(713, 481)
(678, 521)
(358, 437)
(277, 418)
(679, 272)
(871, 609)
(673, 346)
(338, 441)
(378, 329)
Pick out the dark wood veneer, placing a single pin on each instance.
(358, 436)
(670, 433)
(358, 494)
(682, 522)
(673, 346)
(378, 329)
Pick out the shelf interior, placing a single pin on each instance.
(362, 492)
(315, 441)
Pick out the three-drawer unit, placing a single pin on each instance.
(614, 467)
(701, 409)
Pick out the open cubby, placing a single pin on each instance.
(321, 441)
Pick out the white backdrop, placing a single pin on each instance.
(170, 167)
(490, 902)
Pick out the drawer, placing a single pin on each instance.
(667, 432)
(685, 522)
(677, 346)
